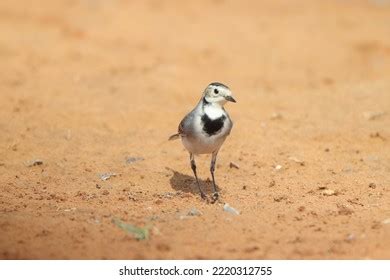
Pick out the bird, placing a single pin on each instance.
(205, 128)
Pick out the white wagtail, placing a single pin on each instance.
(206, 127)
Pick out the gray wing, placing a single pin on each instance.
(186, 126)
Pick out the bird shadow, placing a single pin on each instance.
(187, 183)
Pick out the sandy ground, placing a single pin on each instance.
(85, 85)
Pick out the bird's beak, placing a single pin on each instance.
(230, 98)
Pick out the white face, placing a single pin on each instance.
(218, 93)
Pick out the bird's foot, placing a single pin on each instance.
(214, 197)
(203, 195)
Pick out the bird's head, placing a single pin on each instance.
(217, 93)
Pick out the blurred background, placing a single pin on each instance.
(87, 84)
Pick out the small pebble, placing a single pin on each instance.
(34, 162)
(130, 160)
(386, 222)
(351, 237)
(106, 176)
(276, 116)
(299, 161)
(372, 185)
(329, 192)
(278, 167)
(230, 209)
(234, 165)
(194, 212)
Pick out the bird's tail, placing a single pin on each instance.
(174, 137)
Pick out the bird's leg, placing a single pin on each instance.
(193, 167)
(212, 169)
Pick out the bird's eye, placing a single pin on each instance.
(216, 91)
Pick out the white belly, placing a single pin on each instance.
(203, 144)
